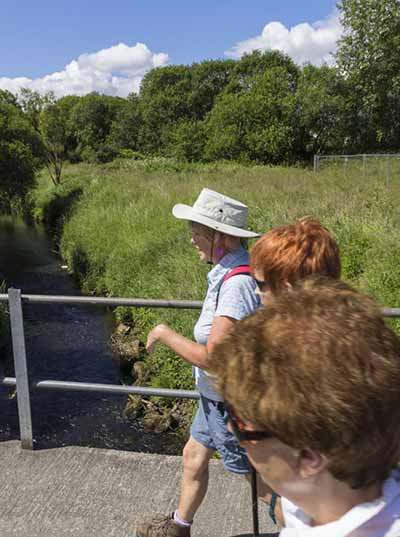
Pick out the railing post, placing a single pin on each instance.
(316, 163)
(387, 172)
(21, 368)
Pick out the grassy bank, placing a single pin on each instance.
(120, 239)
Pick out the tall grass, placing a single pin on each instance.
(121, 239)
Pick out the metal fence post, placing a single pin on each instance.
(387, 173)
(21, 369)
(316, 163)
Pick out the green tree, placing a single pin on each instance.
(66, 105)
(20, 155)
(186, 140)
(53, 121)
(124, 130)
(164, 96)
(177, 97)
(256, 124)
(32, 103)
(8, 97)
(253, 65)
(207, 80)
(227, 125)
(322, 103)
(90, 124)
(369, 58)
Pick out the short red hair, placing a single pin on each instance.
(293, 252)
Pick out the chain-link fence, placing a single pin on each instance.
(385, 165)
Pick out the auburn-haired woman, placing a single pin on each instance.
(287, 254)
(283, 256)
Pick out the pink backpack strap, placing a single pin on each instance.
(240, 269)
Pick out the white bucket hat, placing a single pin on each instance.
(218, 212)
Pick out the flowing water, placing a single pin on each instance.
(65, 342)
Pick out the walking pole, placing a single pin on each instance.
(254, 501)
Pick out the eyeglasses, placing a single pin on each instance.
(261, 284)
(241, 434)
(200, 233)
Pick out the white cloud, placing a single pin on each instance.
(304, 42)
(117, 70)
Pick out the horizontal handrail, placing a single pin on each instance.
(391, 312)
(134, 302)
(104, 388)
(109, 301)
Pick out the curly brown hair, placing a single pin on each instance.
(320, 368)
(293, 252)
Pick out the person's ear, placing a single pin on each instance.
(311, 462)
(220, 240)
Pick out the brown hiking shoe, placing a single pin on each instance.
(161, 527)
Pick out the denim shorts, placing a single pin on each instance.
(209, 428)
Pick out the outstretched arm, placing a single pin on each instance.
(192, 352)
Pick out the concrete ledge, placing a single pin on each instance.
(76, 491)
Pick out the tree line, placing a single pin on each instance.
(261, 109)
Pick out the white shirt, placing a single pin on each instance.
(379, 518)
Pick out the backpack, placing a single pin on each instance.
(240, 269)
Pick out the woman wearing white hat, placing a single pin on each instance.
(218, 225)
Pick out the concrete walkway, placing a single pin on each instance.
(85, 492)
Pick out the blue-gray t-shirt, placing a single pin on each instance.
(236, 299)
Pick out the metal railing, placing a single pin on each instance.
(21, 380)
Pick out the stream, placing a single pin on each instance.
(65, 342)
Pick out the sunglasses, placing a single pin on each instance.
(241, 434)
(260, 283)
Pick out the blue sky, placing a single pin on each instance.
(71, 46)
